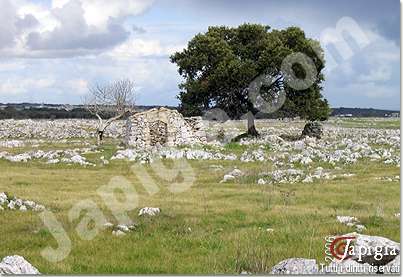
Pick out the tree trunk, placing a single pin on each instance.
(251, 126)
(100, 136)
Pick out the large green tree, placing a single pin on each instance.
(220, 65)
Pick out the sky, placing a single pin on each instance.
(51, 51)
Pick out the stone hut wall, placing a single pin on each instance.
(163, 127)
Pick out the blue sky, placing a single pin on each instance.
(50, 51)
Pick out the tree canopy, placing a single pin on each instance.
(218, 66)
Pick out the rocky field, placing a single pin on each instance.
(223, 207)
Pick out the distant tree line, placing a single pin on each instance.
(15, 112)
(361, 112)
(48, 113)
(43, 113)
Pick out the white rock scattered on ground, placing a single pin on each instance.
(13, 203)
(150, 211)
(351, 221)
(123, 228)
(231, 176)
(227, 178)
(346, 219)
(359, 228)
(17, 265)
(120, 229)
(118, 233)
(296, 266)
(236, 173)
(261, 181)
(108, 225)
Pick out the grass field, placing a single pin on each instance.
(210, 228)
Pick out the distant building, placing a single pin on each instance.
(345, 115)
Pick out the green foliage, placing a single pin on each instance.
(220, 64)
(235, 146)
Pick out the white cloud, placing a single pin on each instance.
(64, 28)
(78, 86)
(372, 90)
(47, 21)
(17, 86)
(380, 73)
(59, 3)
(98, 12)
(143, 48)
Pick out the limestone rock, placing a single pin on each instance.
(16, 265)
(118, 233)
(313, 129)
(296, 266)
(348, 267)
(227, 177)
(14, 203)
(149, 211)
(346, 219)
(123, 228)
(236, 173)
(373, 243)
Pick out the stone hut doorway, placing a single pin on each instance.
(158, 132)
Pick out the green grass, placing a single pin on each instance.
(228, 222)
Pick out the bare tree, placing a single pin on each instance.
(111, 101)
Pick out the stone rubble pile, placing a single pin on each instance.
(253, 156)
(338, 146)
(171, 153)
(56, 129)
(292, 175)
(196, 154)
(389, 179)
(14, 203)
(12, 143)
(69, 156)
(133, 155)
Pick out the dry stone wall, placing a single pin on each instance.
(163, 127)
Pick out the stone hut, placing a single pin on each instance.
(165, 127)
